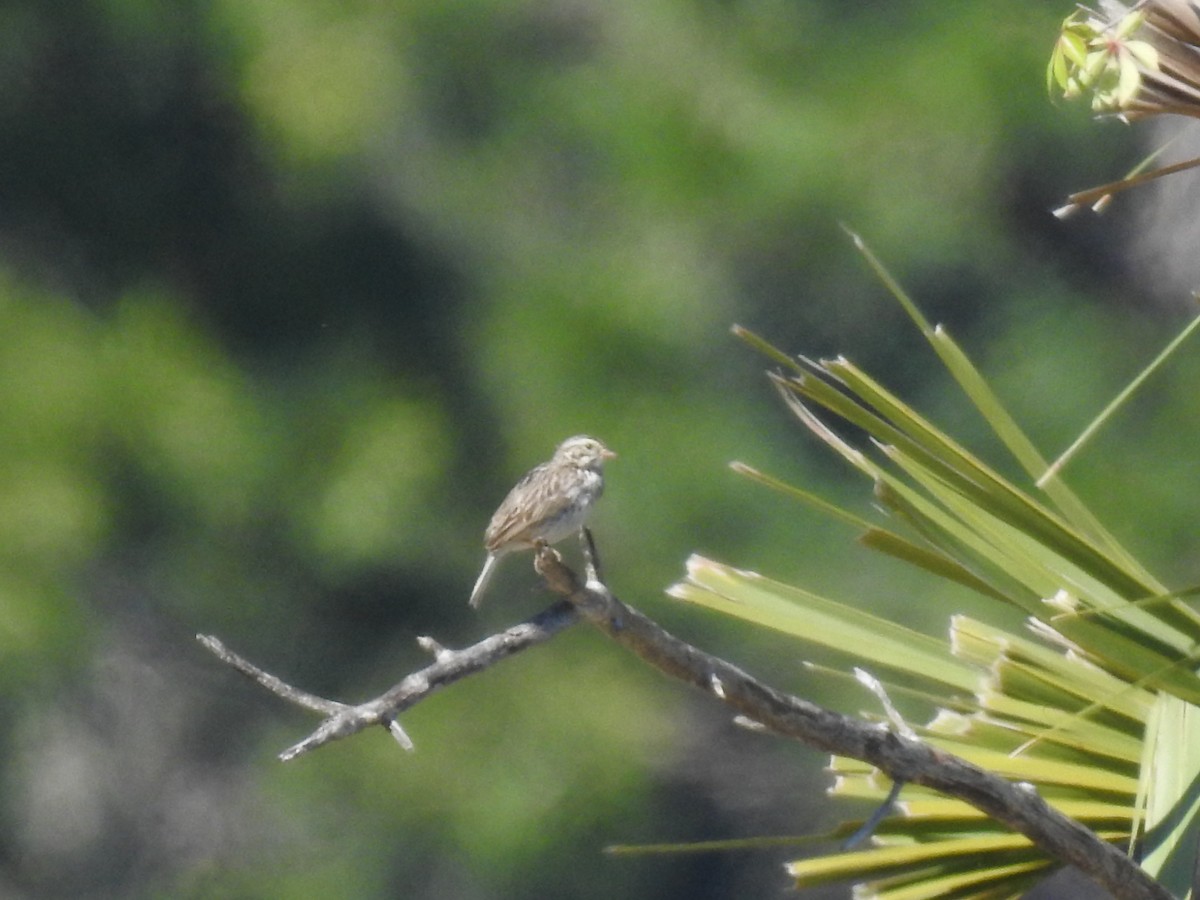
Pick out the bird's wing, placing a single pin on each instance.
(538, 496)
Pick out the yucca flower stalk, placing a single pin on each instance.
(1144, 61)
(1134, 62)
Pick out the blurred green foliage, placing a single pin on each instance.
(292, 292)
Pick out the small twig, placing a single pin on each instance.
(433, 648)
(276, 686)
(868, 827)
(875, 686)
(1078, 200)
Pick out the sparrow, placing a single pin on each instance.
(552, 501)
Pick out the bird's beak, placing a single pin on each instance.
(607, 454)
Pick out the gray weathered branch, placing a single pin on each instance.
(902, 758)
(343, 720)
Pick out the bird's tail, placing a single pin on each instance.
(481, 582)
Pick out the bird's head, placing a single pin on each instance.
(583, 451)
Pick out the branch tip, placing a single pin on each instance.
(433, 648)
(750, 724)
(400, 735)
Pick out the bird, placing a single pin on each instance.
(550, 502)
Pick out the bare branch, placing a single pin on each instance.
(276, 686)
(902, 757)
(1018, 806)
(343, 720)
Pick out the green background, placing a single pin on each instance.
(292, 292)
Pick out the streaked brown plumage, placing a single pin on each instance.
(551, 502)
